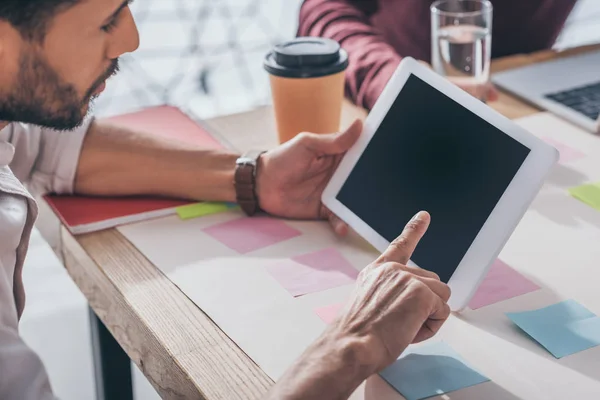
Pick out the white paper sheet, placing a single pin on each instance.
(238, 292)
(557, 246)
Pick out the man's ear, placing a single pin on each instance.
(11, 43)
(11, 46)
(4, 27)
(9, 37)
(4, 37)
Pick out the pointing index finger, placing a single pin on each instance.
(401, 249)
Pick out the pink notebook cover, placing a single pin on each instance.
(83, 214)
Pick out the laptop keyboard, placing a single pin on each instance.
(584, 99)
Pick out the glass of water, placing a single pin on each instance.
(461, 42)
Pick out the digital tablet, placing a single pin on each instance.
(428, 145)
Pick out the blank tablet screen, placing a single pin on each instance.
(430, 153)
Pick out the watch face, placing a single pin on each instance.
(249, 158)
(246, 161)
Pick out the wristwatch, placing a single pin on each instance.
(245, 181)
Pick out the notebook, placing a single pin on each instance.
(81, 214)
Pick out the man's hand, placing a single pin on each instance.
(395, 305)
(485, 92)
(292, 177)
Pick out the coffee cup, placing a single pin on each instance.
(307, 84)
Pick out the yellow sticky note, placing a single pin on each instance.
(202, 209)
(589, 194)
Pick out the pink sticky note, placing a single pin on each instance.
(502, 283)
(567, 154)
(245, 235)
(314, 272)
(329, 313)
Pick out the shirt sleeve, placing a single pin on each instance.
(372, 59)
(46, 160)
(22, 375)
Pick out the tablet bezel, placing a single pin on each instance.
(506, 214)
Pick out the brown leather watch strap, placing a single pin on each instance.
(245, 182)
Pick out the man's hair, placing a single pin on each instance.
(32, 17)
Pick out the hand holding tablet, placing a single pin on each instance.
(428, 145)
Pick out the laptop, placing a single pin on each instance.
(568, 87)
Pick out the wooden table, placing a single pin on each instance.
(171, 340)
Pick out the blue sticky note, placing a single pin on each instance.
(430, 370)
(563, 329)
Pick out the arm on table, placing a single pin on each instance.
(100, 159)
(372, 60)
(289, 180)
(116, 161)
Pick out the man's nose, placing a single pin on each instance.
(126, 38)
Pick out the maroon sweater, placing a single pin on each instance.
(376, 33)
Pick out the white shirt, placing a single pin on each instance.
(12, 222)
(46, 160)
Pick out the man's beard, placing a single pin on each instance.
(41, 97)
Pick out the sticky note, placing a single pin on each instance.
(329, 313)
(567, 154)
(430, 370)
(501, 283)
(589, 194)
(563, 329)
(203, 209)
(246, 235)
(314, 272)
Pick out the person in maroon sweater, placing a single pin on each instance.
(378, 33)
